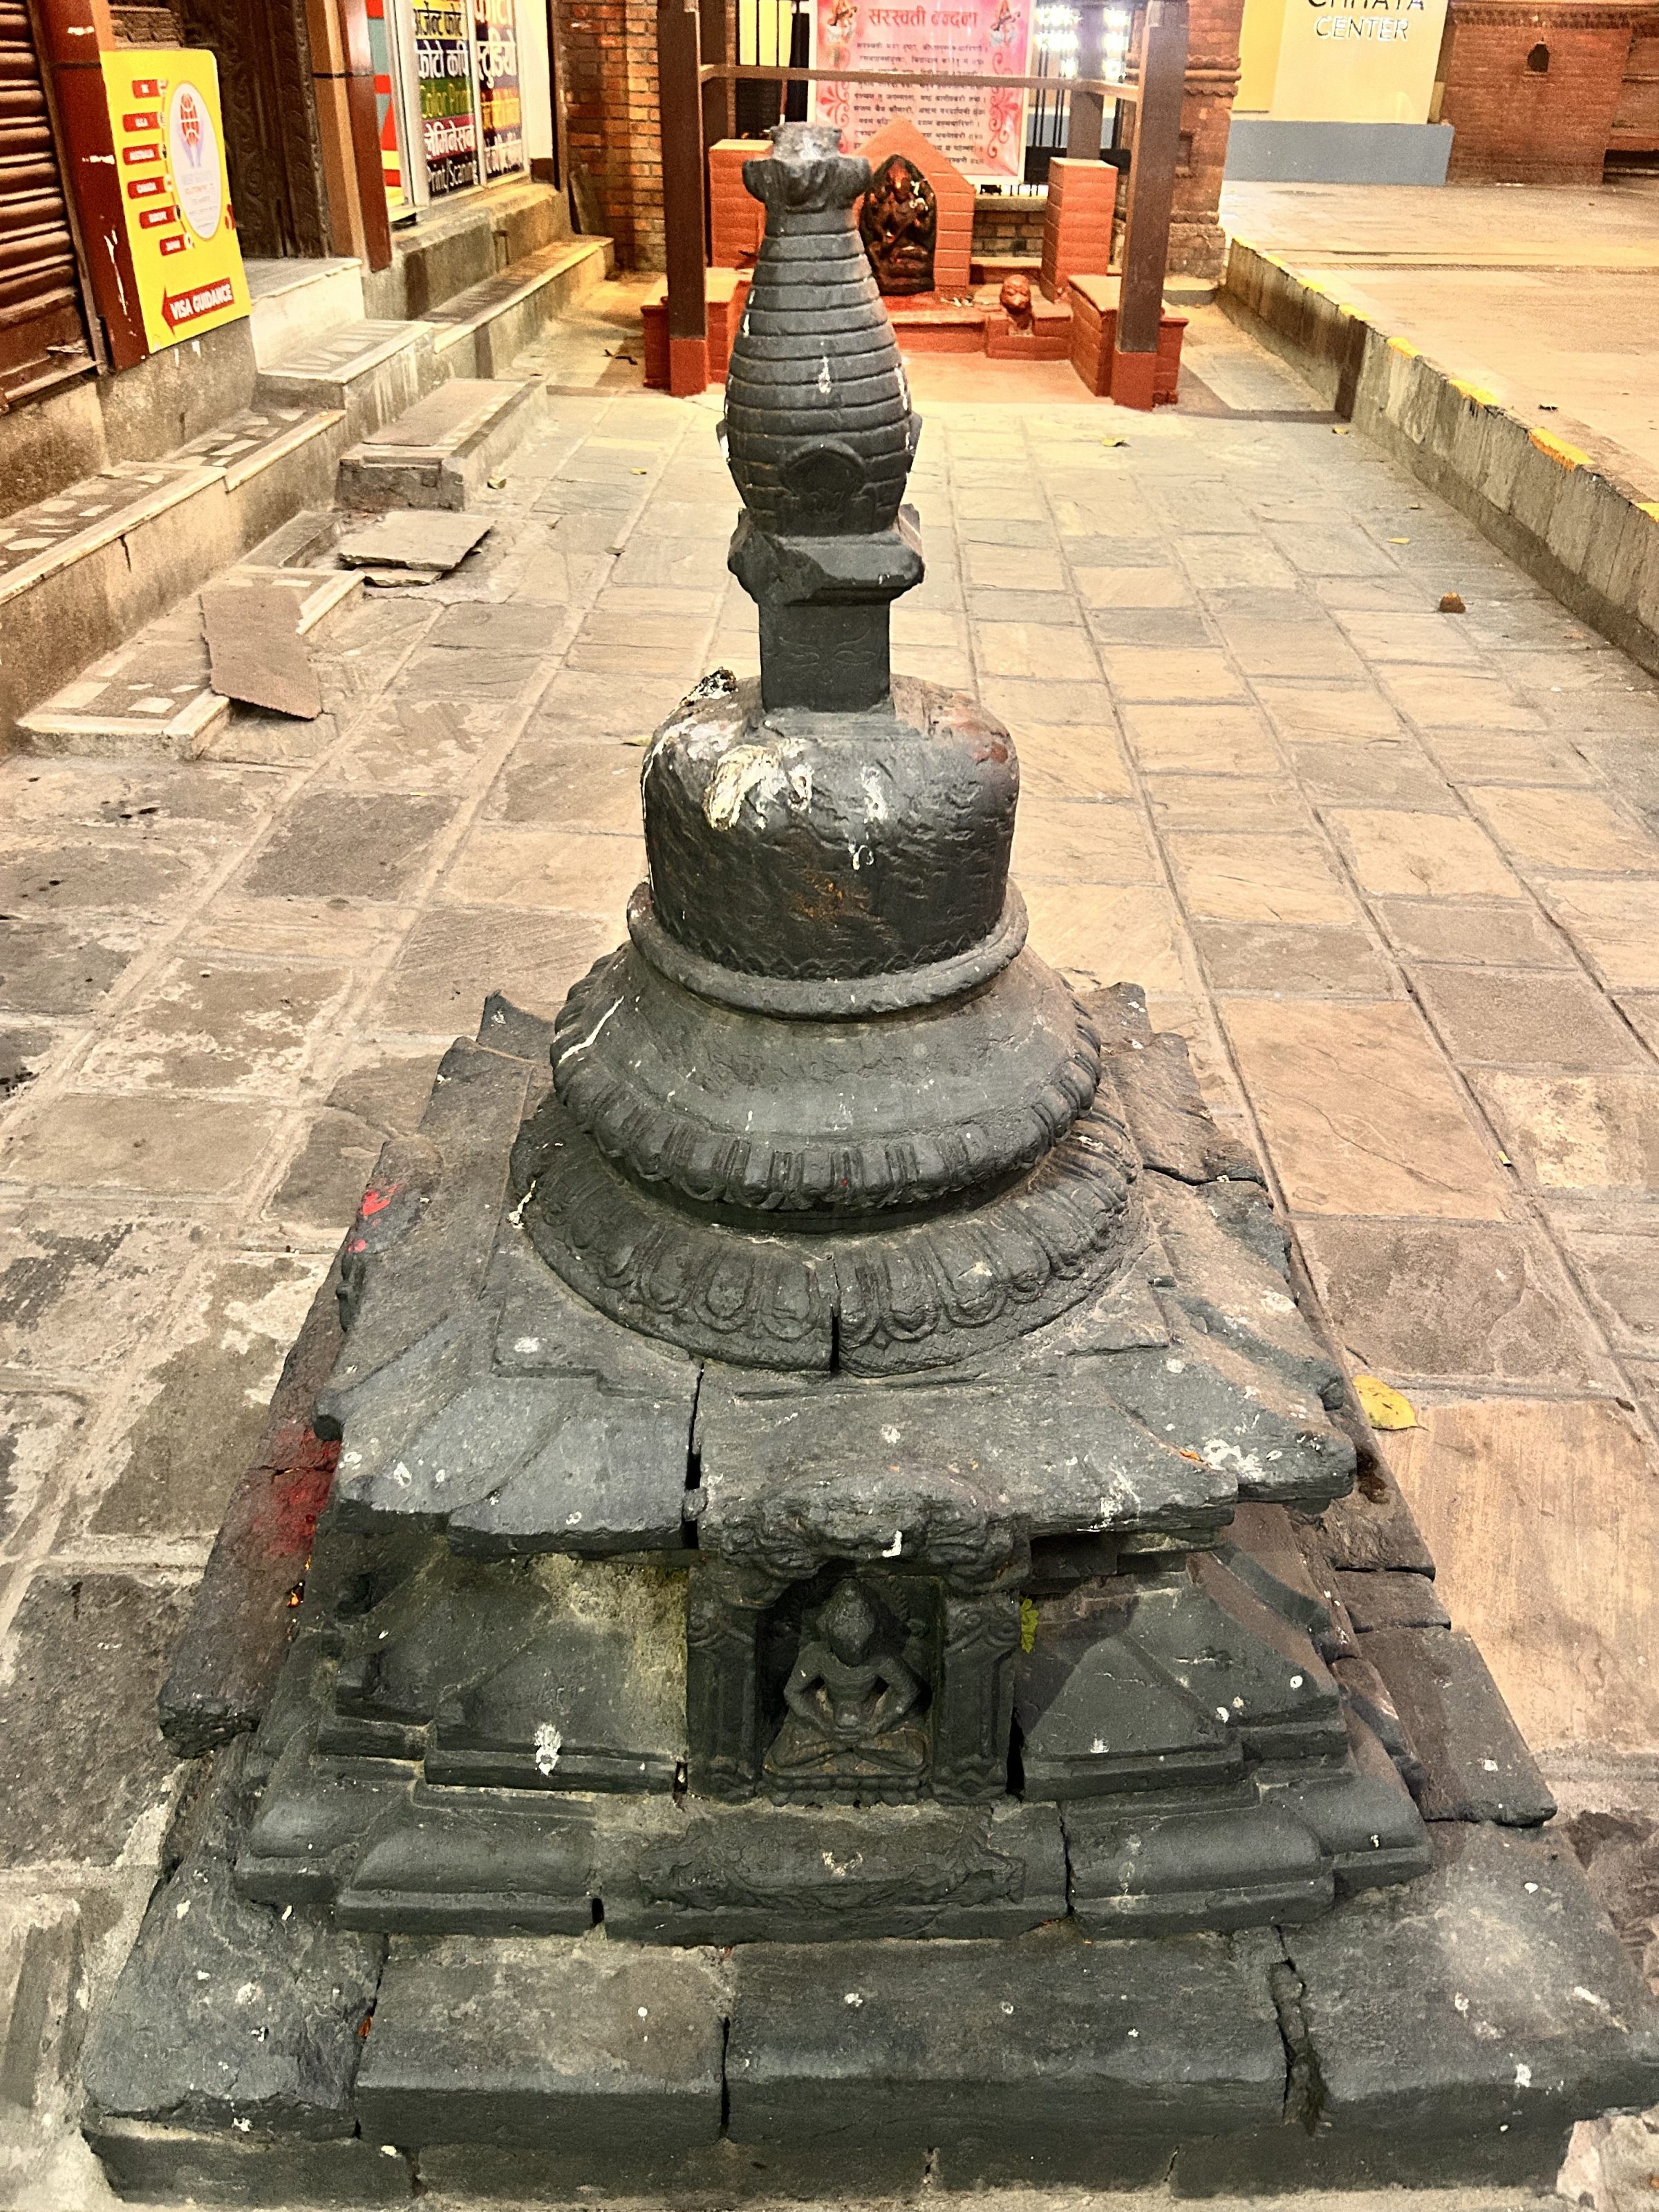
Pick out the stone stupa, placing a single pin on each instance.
(818, 1665)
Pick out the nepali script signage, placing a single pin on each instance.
(981, 128)
(169, 145)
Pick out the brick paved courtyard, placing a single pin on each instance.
(1394, 872)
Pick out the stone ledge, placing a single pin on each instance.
(1448, 2033)
(1570, 514)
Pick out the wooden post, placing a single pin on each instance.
(1151, 195)
(364, 109)
(679, 95)
(1085, 113)
(719, 100)
(71, 36)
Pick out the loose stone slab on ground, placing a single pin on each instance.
(255, 653)
(409, 540)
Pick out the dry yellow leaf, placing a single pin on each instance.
(1383, 1407)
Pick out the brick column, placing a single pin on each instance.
(1077, 228)
(612, 118)
(736, 221)
(1196, 243)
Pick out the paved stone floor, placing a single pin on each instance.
(1394, 872)
(1544, 296)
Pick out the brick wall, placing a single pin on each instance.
(1516, 125)
(1636, 122)
(608, 56)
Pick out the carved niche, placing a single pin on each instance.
(899, 225)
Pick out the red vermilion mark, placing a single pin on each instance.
(299, 1484)
(376, 1201)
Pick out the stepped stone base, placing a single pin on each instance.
(1449, 2032)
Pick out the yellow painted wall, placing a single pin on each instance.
(1259, 40)
(1340, 61)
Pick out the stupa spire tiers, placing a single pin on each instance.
(819, 435)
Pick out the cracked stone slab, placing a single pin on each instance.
(415, 540)
(263, 2010)
(1452, 2031)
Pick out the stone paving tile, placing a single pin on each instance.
(169, 1146)
(1314, 713)
(1239, 803)
(1512, 935)
(454, 957)
(241, 1027)
(542, 869)
(1517, 1017)
(1397, 853)
(1227, 876)
(1621, 1271)
(1252, 957)
(77, 1772)
(1578, 1132)
(1110, 934)
(1431, 1302)
(1072, 764)
(347, 844)
(39, 1431)
(1479, 757)
(1212, 741)
(64, 968)
(1615, 925)
(1542, 1516)
(1058, 841)
(1360, 1114)
(77, 1286)
(39, 880)
(194, 1413)
(1375, 772)
(1560, 831)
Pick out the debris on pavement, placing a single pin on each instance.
(255, 652)
(406, 539)
(1451, 603)
(1383, 1407)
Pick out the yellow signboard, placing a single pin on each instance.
(1341, 61)
(175, 193)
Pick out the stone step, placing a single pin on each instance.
(482, 329)
(370, 371)
(440, 451)
(83, 572)
(300, 303)
(152, 697)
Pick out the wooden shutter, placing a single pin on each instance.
(42, 338)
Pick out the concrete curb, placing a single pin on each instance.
(1571, 514)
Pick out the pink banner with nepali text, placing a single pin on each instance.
(981, 128)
